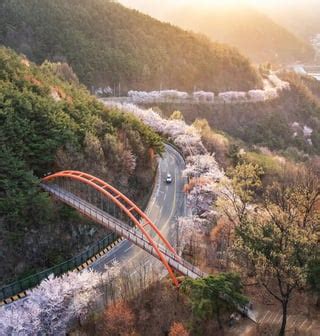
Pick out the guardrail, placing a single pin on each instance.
(20, 286)
(137, 238)
(177, 149)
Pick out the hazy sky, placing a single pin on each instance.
(159, 6)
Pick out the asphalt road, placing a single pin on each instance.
(166, 204)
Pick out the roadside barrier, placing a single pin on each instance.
(19, 288)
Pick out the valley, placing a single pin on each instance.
(159, 168)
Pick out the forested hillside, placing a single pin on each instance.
(289, 124)
(255, 34)
(46, 125)
(108, 44)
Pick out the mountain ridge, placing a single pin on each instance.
(255, 34)
(109, 45)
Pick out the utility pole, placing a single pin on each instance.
(177, 236)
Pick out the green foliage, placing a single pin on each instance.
(107, 44)
(245, 180)
(239, 191)
(48, 124)
(40, 114)
(234, 153)
(268, 124)
(135, 130)
(212, 296)
(21, 203)
(278, 238)
(176, 115)
(272, 131)
(61, 70)
(215, 142)
(314, 276)
(268, 163)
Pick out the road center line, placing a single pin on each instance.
(129, 248)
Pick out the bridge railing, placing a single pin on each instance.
(135, 236)
(21, 285)
(123, 230)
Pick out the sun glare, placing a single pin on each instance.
(147, 4)
(224, 3)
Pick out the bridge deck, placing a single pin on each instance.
(123, 230)
(132, 234)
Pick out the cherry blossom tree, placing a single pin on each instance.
(203, 166)
(129, 161)
(55, 305)
(185, 230)
(202, 96)
(257, 95)
(232, 96)
(153, 96)
(186, 137)
(209, 97)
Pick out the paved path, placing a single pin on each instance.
(166, 204)
(295, 323)
(133, 234)
(269, 321)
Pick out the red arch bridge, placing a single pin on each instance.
(107, 206)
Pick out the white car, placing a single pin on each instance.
(169, 178)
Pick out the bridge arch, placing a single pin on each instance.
(124, 204)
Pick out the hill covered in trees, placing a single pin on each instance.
(289, 124)
(107, 44)
(48, 124)
(252, 32)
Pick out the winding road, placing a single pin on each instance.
(166, 204)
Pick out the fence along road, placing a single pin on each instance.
(123, 230)
(133, 235)
(163, 197)
(167, 202)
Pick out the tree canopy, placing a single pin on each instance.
(108, 44)
(48, 124)
(213, 295)
(277, 238)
